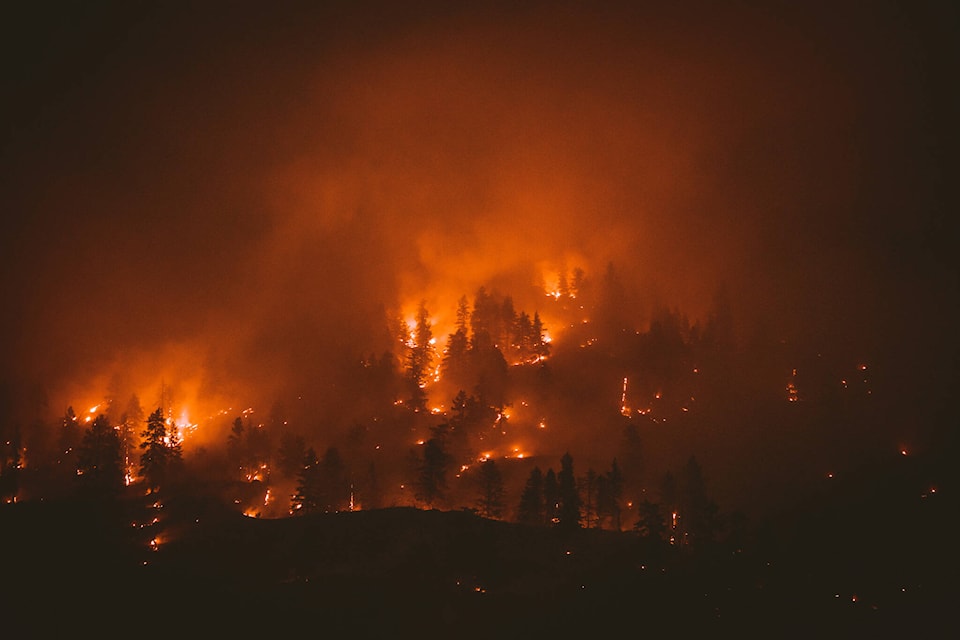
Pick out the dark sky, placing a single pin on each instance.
(225, 193)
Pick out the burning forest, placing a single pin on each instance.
(615, 300)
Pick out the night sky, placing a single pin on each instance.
(228, 195)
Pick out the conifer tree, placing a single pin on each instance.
(569, 512)
(532, 508)
(99, 460)
(421, 357)
(431, 483)
(161, 451)
(609, 494)
(307, 497)
(491, 501)
(551, 497)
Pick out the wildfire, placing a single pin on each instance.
(792, 393)
(624, 409)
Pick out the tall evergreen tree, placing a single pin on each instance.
(576, 283)
(491, 501)
(290, 455)
(161, 454)
(431, 484)
(589, 492)
(71, 433)
(609, 495)
(334, 482)
(307, 498)
(669, 505)
(237, 448)
(551, 497)
(699, 514)
(99, 460)
(541, 347)
(532, 509)
(569, 513)
(482, 320)
(505, 325)
(563, 287)
(371, 492)
(421, 357)
(523, 338)
(650, 521)
(130, 421)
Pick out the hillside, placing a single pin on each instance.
(834, 570)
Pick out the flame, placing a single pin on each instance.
(624, 409)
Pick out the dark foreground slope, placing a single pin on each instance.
(852, 568)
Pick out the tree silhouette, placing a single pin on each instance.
(334, 484)
(669, 504)
(588, 491)
(551, 497)
(161, 452)
(491, 501)
(130, 420)
(71, 433)
(523, 340)
(482, 321)
(420, 358)
(532, 509)
(237, 448)
(371, 493)
(455, 362)
(699, 516)
(307, 498)
(650, 521)
(541, 347)
(576, 283)
(99, 459)
(609, 495)
(431, 483)
(290, 454)
(569, 512)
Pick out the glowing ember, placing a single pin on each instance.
(624, 409)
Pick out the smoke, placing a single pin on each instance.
(239, 198)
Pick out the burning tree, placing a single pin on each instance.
(131, 417)
(420, 358)
(249, 448)
(456, 364)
